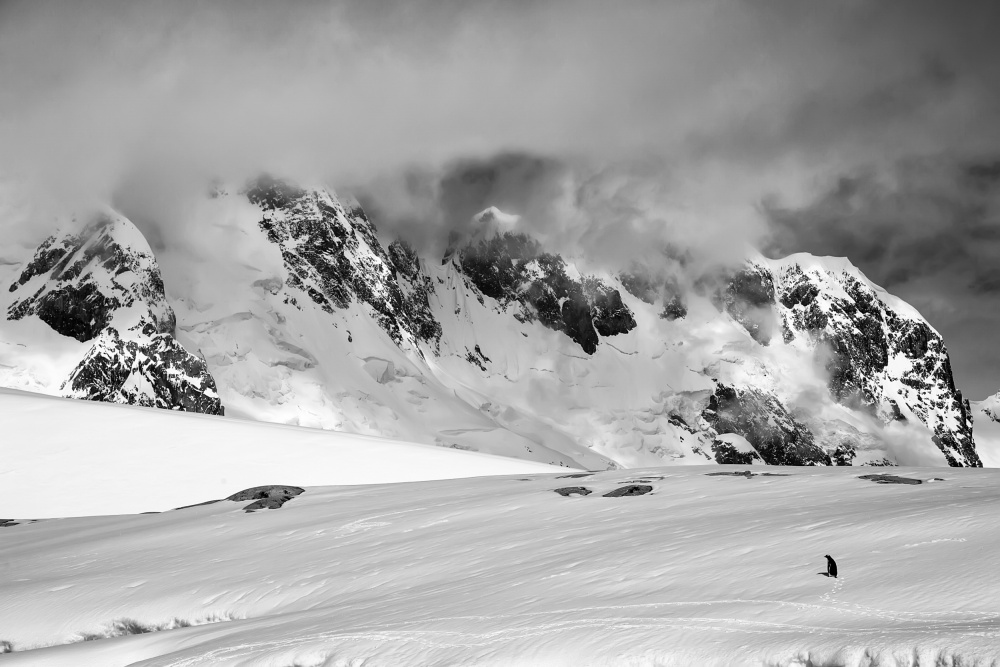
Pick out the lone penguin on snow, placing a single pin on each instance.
(831, 567)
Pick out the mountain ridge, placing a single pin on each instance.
(505, 347)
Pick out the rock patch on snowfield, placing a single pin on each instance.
(630, 490)
(568, 491)
(891, 479)
(575, 475)
(266, 497)
(747, 474)
(7, 523)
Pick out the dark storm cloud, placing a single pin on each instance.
(926, 229)
(348, 88)
(607, 215)
(641, 119)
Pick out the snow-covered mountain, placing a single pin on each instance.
(499, 346)
(102, 287)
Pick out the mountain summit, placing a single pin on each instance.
(500, 346)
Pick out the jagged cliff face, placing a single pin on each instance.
(881, 356)
(878, 355)
(501, 345)
(102, 287)
(333, 255)
(512, 269)
(76, 283)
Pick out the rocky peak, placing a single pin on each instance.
(77, 283)
(881, 355)
(102, 284)
(147, 368)
(512, 268)
(332, 254)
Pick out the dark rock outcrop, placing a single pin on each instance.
(103, 285)
(630, 490)
(512, 268)
(332, 254)
(573, 491)
(856, 336)
(147, 368)
(748, 297)
(266, 497)
(766, 424)
(890, 479)
(81, 280)
(725, 453)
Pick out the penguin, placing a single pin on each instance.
(831, 567)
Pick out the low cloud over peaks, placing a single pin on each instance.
(608, 126)
(926, 229)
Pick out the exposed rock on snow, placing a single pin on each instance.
(147, 368)
(103, 284)
(573, 491)
(266, 497)
(332, 253)
(891, 479)
(880, 354)
(745, 473)
(77, 282)
(513, 269)
(630, 490)
(766, 424)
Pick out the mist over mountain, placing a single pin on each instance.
(711, 125)
(499, 332)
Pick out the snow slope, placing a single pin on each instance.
(704, 570)
(72, 458)
(987, 429)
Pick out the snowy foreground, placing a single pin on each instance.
(63, 457)
(704, 570)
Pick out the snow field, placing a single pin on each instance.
(63, 457)
(705, 570)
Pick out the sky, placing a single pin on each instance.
(865, 128)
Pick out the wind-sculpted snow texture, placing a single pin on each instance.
(501, 345)
(102, 286)
(657, 567)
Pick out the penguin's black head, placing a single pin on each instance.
(826, 556)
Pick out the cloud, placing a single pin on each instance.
(926, 229)
(604, 215)
(342, 89)
(640, 119)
